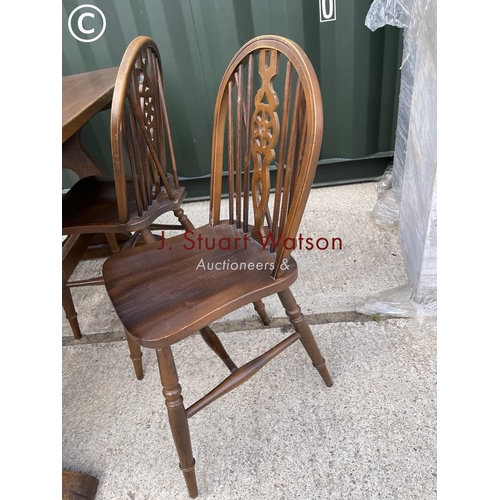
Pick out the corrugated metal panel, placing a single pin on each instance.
(357, 69)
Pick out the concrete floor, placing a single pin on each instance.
(283, 434)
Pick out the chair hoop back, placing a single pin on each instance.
(255, 134)
(140, 131)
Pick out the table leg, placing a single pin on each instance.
(74, 157)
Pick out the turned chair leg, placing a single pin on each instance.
(177, 417)
(113, 242)
(215, 344)
(135, 355)
(148, 236)
(69, 309)
(306, 337)
(259, 306)
(183, 219)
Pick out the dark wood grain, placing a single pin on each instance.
(84, 95)
(140, 283)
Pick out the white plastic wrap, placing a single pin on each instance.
(386, 210)
(399, 302)
(406, 14)
(410, 192)
(418, 207)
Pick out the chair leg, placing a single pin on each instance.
(183, 219)
(69, 309)
(113, 242)
(135, 355)
(177, 417)
(306, 337)
(215, 344)
(148, 236)
(259, 306)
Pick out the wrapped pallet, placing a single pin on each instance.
(411, 200)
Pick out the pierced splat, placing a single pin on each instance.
(147, 132)
(146, 96)
(265, 133)
(147, 104)
(255, 132)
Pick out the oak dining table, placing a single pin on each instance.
(83, 96)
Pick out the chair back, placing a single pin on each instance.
(255, 133)
(141, 140)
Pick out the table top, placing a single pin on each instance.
(83, 96)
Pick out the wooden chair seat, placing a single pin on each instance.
(91, 207)
(162, 296)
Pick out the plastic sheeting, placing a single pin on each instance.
(386, 210)
(399, 302)
(407, 191)
(406, 14)
(409, 15)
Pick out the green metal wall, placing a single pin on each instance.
(358, 71)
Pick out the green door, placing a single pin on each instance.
(358, 71)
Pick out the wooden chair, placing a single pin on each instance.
(163, 296)
(145, 184)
